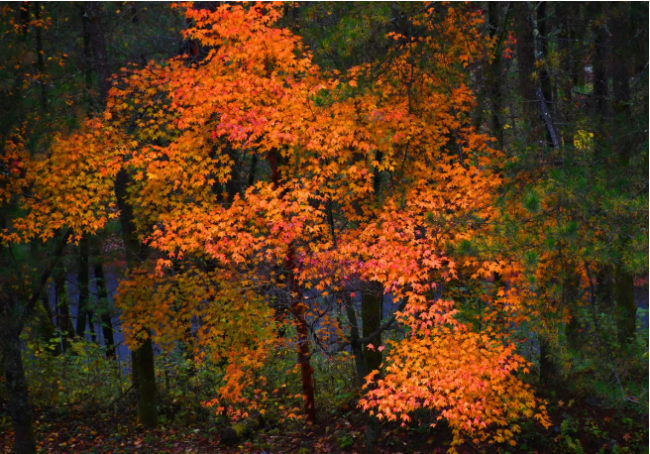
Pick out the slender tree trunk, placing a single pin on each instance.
(298, 310)
(546, 364)
(542, 27)
(620, 71)
(371, 310)
(357, 348)
(624, 285)
(88, 52)
(306, 371)
(251, 173)
(525, 48)
(65, 324)
(82, 285)
(626, 307)
(494, 73)
(103, 306)
(565, 101)
(98, 44)
(304, 354)
(601, 89)
(600, 82)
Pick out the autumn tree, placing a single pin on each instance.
(310, 224)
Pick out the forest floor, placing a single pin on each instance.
(576, 429)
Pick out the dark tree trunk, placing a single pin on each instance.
(545, 77)
(626, 307)
(82, 285)
(525, 48)
(144, 375)
(87, 50)
(624, 281)
(65, 323)
(147, 385)
(601, 89)
(298, 311)
(16, 385)
(494, 73)
(98, 44)
(371, 311)
(546, 364)
(103, 307)
(620, 63)
(565, 101)
(355, 345)
(304, 355)
(15, 310)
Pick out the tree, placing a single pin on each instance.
(321, 137)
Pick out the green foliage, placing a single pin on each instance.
(81, 377)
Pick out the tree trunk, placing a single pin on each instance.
(306, 371)
(494, 73)
(143, 373)
(371, 311)
(626, 307)
(525, 48)
(600, 81)
(82, 286)
(103, 307)
(357, 348)
(16, 385)
(88, 52)
(298, 310)
(147, 385)
(624, 285)
(620, 62)
(565, 101)
(98, 44)
(546, 364)
(65, 324)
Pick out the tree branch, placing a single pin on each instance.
(31, 304)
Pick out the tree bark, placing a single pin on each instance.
(525, 49)
(371, 311)
(65, 324)
(142, 358)
(103, 305)
(494, 72)
(298, 311)
(19, 407)
(105, 316)
(143, 372)
(13, 315)
(304, 354)
(98, 44)
(82, 286)
(624, 285)
(355, 345)
(565, 101)
(626, 307)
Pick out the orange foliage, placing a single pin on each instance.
(328, 137)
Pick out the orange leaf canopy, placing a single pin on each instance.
(373, 176)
